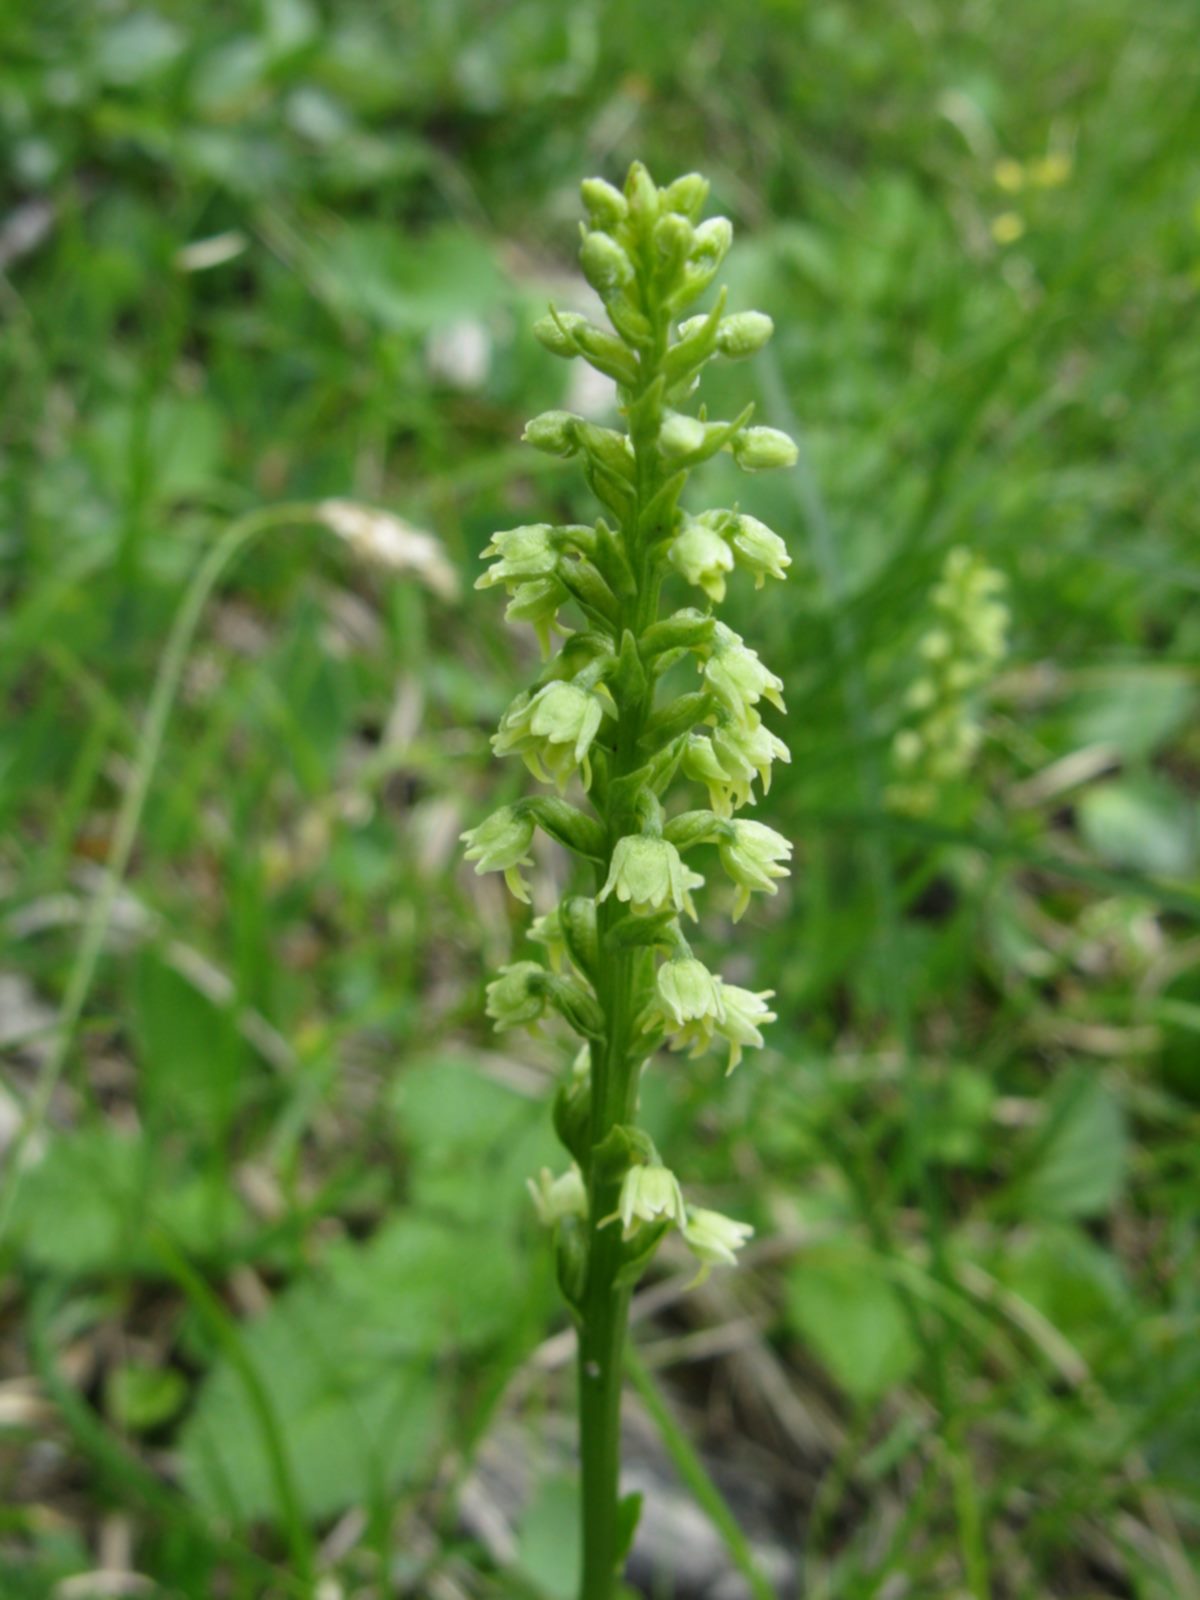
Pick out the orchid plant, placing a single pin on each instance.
(599, 726)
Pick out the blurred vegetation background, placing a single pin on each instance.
(276, 1318)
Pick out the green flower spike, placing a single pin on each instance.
(615, 968)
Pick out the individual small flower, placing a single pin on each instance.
(648, 1194)
(714, 1239)
(524, 553)
(553, 730)
(501, 844)
(759, 550)
(701, 763)
(753, 856)
(688, 992)
(701, 556)
(518, 997)
(537, 603)
(649, 875)
(745, 1013)
(748, 746)
(556, 1198)
(736, 675)
(759, 449)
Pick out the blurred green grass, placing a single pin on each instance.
(281, 253)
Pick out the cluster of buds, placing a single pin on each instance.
(618, 967)
(959, 655)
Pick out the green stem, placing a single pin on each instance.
(616, 1070)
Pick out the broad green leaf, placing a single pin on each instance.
(1135, 712)
(412, 284)
(86, 1206)
(842, 1303)
(548, 1545)
(141, 1398)
(1079, 1161)
(1145, 823)
(189, 1053)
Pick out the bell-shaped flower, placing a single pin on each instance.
(556, 1198)
(753, 856)
(552, 731)
(701, 763)
(729, 759)
(713, 1239)
(701, 556)
(687, 992)
(759, 550)
(648, 874)
(521, 554)
(501, 844)
(736, 675)
(518, 997)
(648, 1194)
(743, 1013)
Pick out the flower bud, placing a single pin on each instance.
(555, 332)
(673, 238)
(605, 264)
(648, 874)
(606, 205)
(758, 449)
(681, 436)
(711, 243)
(642, 195)
(744, 334)
(553, 432)
(686, 196)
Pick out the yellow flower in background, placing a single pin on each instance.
(1008, 227)
(1051, 171)
(1009, 175)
